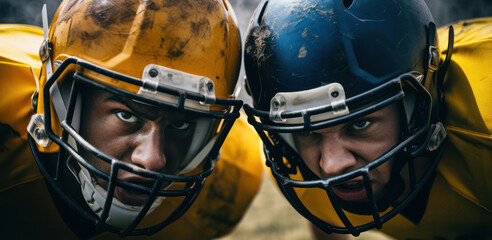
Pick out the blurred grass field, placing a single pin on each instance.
(270, 216)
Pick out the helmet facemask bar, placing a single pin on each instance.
(193, 182)
(276, 148)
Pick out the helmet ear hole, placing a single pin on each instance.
(347, 3)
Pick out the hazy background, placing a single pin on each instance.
(270, 216)
(444, 11)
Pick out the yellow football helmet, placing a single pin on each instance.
(181, 56)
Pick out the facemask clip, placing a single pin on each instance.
(37, 131)
(330, 95)
(433, 58)
(155, 76)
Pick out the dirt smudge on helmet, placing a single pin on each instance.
(90, 36)
(105, 13)
(68, 11)
(151, 5)
(177, 48)
(172, 3)
(147, 23)
(150, 9)
(201, 28)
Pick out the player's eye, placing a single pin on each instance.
(127, 117)
(359, 125)
(180, 125)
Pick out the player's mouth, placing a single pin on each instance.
(351, 191)
(131, 197)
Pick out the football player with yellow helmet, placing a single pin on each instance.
(126, 110)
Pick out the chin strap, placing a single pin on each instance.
(120, 214)
(447, 60)
(433, 63)
(437, 132)
(441, 73)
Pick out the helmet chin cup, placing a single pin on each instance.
(120, 214)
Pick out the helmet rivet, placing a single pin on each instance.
(276, 104)
(335, 94)
(210, 86)
(153, 73)
(39, 133)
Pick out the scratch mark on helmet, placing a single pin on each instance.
(307, 33)
(261, 34)
(302, 52)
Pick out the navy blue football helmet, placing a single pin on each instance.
(313, 64)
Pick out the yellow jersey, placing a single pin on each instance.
(460, 201)
(27, 209)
